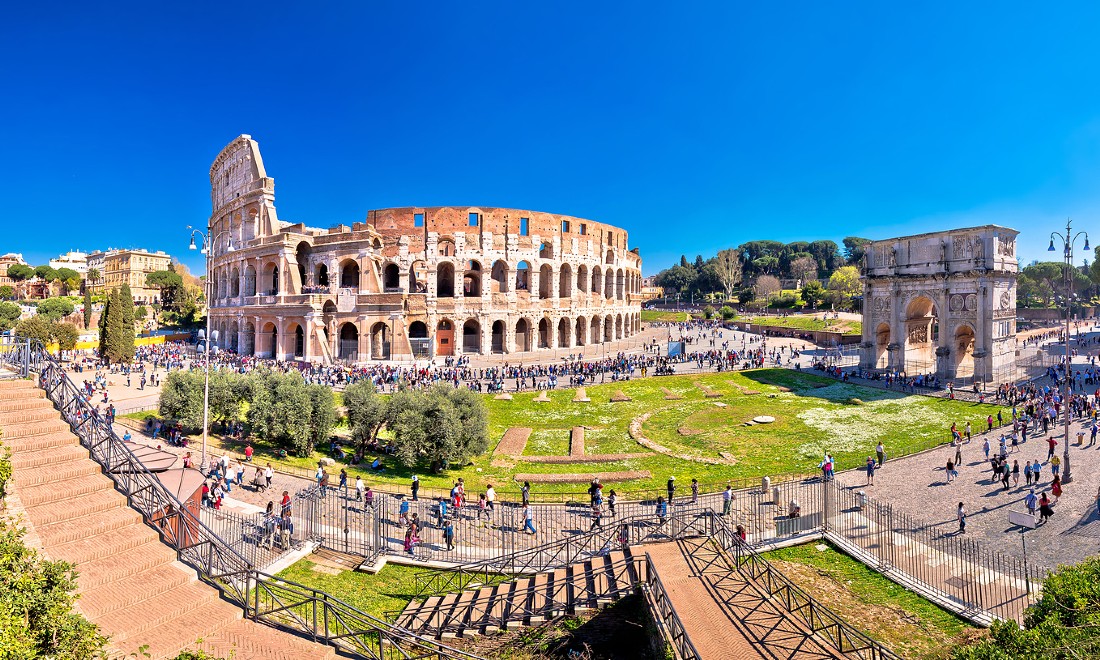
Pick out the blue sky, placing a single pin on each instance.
(696, 126)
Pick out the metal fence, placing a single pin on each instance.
(667, 619)
(257, 539)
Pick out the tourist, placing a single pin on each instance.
(415, 487)
(368, 499)
(1015, 473)
(1055, 465)
(525, 493)
(985, 448)
(870, 471)
(671, 487)
(285, 504)
(1031, 502)
(1027, 473)
(727, 499)
(1051, 443)
(1046, 509)
(960, 513)
(595, 517)
(403, 511)
(269, 474)
(448, 531)
(529, 520)
(1056, 488)
(694, 491)
(739, 534)
(324, 482)
(490, 498)
(482, 509)
(951, 470)
(259, 484)
(343, 479)
(248, 453)
(880, 452)
(286, 530)
(661, 510)
(359, 485)
(967, 432)
(612, 498)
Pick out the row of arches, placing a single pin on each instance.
(352, 342)
(919, 341)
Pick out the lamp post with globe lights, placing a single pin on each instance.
(1067, 241)
(208, 251)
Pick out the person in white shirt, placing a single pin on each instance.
(490, 497)
(359, 488)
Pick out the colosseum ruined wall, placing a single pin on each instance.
(409, 282)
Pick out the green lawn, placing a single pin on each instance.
(656, 316)
(804, 323)
(389, 589)
(902, 620)
(815, 415)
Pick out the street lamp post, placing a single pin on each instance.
(209, 253)
(1067, 245)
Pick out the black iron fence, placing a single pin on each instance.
(276, 602)
(665, 615)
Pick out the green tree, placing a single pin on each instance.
(127, 302)
(87, 307)
(677, 278)
(708, 312)
(55, 309)
(442, 425)
(37, 619)
(9, 315)
(6, 292)
(765, 265)
(93, 275)
(726, 312)
(845, 280)
(113, 343)
(854, 249)
(36, 327)
(813, 292)
(181, 398)
(366, 413)
(66, 336)
(286, 411)
(20, 272)
(45, 273)
(141, 312)
(1064, 624)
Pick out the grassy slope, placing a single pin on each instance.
(655, 316)
(809, 420)
(389, 589)
(907, 623)
(805, 323)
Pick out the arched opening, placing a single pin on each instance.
(418, 277)
(523, 336)
(446, 248)
(249, 339)
(582, 331)
(563, 333)
(546, 251)
(921, 336)
(349, 342)
(595, 330)
(609, 284)
(234, 337)
(597, 280)
(445, 338)
(882, 346)
(349, 275)
(445, 280)
(235, 283)
(546, 276)
(418, 330)
(499, 277)
(471, 336)
(391, 277)
(522, 269)
(299, 341)
(620, 284)
(608, 328)
(321, 276)
(544, 333)
(619, 326)
(250, 280)
(379, 341)
(471, 280)
(269, 336)
(565, 281)
(609, 258)
(963, 351)
(418, 339)
(271, 279)
(302, 255)
(582, 279)
(498, 337)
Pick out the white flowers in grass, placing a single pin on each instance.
(849, 428)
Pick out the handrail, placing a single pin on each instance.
(263, 597)
(819, 618)
(562, 552)
(665, 614)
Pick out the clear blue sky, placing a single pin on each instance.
(696, 126)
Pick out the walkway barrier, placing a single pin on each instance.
(274, 601)
(668, 621)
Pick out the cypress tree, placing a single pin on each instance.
(116, 330)
(126, 340)
(87, 307)
(104, 333)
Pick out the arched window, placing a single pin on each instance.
(521, 276)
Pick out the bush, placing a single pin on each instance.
(708, 312)
(726, 312)
(784, 301)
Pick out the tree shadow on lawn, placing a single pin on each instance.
(813, 385)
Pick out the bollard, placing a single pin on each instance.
(766, 484)
(776, 497)
(862, 497)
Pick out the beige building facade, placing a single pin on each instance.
(118, 267)
(409, 282)
(942, 303)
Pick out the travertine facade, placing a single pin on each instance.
(942, 303)
(409, 281)
(118, 267)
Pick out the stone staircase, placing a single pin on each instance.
(130, 584)
(588, 585)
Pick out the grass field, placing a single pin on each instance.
(389, 589)
(813, 414)
(805, 323)
(656, 316)
(907, 623)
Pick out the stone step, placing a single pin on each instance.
(170, 622)
(18, 385)
(76, 508)
(95, 524)
(58, 473)
(37, 402)
(134, 589)
(29, 460)
(118, 542)
(112, 569)
(34, 428)
(247, 640)
(25, 415)
(41, 442)
(65, 489)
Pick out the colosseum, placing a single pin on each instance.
(409, 282)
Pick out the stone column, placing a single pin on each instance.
(307, 337)
(278, 348)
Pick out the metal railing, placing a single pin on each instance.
(819, 619)
(634, 530)
(668, 621)
(275, 601)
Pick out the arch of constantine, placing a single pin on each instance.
(942, 303)
(409, 282)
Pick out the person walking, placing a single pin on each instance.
(448, 531)
(1046, 509)
(415, 487)
(1052, 443)
(950, 470)
(880, 453)
(1031, 502)
(525, 493)
(1055, 465)
(595, 517)
(1056, 488)
(343, 479)
(269, 474)
(694, 491)
(661, 510)
(359, 485)
(1015, 473)
(490, 499)
(727, 499)
(870, 471)
(612, 498)
(671, 487)
(529, 520)
(960, 513)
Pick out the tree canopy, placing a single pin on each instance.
(9, 315)
(55, 308)
(442, 426)
(20, 272)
